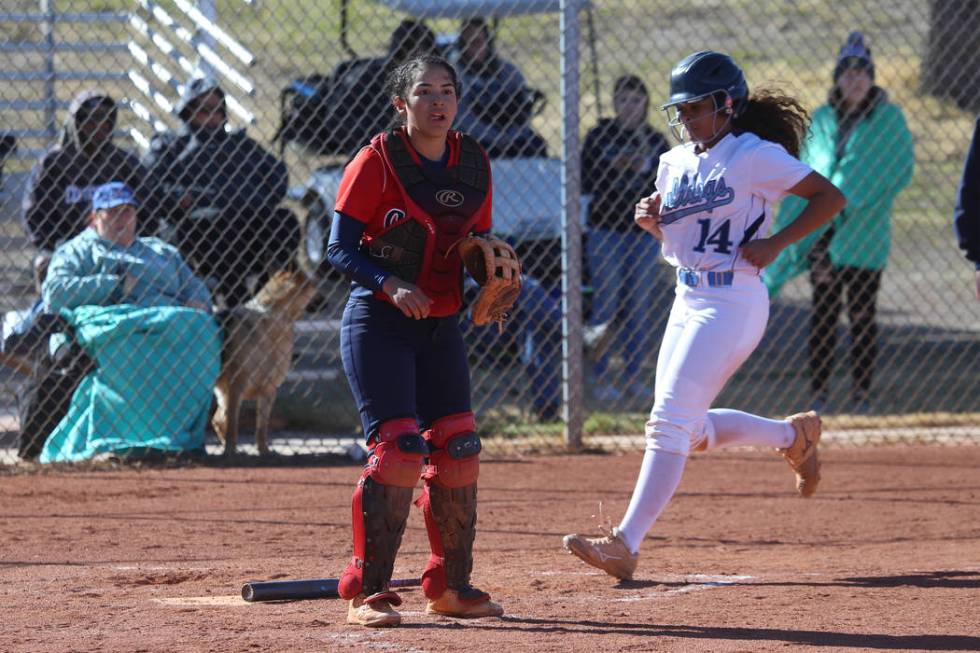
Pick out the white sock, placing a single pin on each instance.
(660, 474)
(733, 428)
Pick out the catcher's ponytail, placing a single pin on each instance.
(774, 116)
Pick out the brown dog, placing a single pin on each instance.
(256, 354)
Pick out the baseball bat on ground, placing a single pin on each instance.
(301, 590)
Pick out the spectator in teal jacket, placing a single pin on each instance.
(107, 264)
(143, 318)
(860, 141)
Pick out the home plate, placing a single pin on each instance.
(695, 583)
(189, 601)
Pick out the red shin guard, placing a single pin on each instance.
(448, 503)
(380, 506)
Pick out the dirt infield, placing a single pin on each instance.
(885, 557)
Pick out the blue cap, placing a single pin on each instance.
(115, 193)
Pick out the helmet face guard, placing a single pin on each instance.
(724, 104)
(701, 75)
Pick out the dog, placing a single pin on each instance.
(256, 354)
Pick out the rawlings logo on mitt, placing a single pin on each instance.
(494, 265)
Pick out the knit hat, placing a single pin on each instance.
(854, 54)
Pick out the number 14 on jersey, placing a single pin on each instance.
(719, 238)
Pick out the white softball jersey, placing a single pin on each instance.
(712, 203)
(715, 201)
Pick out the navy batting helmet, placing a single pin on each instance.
(704, 73)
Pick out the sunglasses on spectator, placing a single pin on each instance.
(96, 113)
(210, 108)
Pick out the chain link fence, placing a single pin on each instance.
(553, 94)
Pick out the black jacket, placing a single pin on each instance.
(225, 170)
(58, 197)
(616, 191)
(966, 215)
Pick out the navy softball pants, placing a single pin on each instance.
(401, 367)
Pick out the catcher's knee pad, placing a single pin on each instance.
(380, 506)
(399, 455)
(454, 458)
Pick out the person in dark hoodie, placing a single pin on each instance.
(966, 215)
(620, 157)
(497, 106)
(225, 190)
(58, 196)
(356, 107)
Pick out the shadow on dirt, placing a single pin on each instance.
(790, 637)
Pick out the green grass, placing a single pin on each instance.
(791, 45)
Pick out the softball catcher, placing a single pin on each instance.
(406, 210)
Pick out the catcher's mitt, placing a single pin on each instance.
(494, 265)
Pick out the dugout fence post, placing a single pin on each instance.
(50, 96)
(573, 392)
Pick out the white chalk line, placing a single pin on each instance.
(157, 568)
(203, 601)
(703, 583)
(695, 583)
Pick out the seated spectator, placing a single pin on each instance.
(59, 191)
(340, 112)
(496, 105)
(363, 109)
(225, 191)
(620, 158)
(141, 315)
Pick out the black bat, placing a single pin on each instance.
(301, 590)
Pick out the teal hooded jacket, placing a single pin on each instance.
(877, 162)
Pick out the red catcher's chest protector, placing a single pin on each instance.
(441, 206)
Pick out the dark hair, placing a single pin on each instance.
(400, 79)
(476, 23)
(630, 83)
(773, 116)
(94, 103)
(491, 64)
(410, 38)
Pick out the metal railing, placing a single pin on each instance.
(48, 74)
(542, 385)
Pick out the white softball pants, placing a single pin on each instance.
(711, 331)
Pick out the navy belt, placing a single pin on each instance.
(695, 278)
